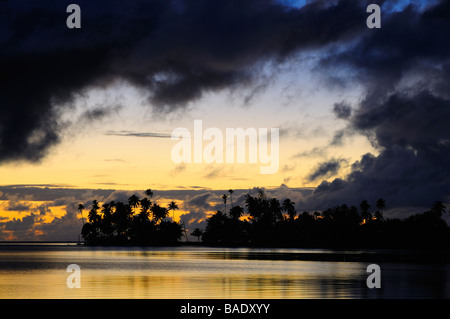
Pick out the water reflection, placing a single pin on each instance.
(191, 285)
(186, 272)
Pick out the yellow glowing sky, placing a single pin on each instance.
(89, 158)
(90, 155)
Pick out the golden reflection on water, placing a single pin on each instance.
(97, 284)
(173, 274)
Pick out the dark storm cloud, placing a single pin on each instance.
(416, 120)
(398, 175)
(177, 51)
(174, 50)
(342, 110)
(404, 67)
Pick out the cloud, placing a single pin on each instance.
(66, 227)
(408, 120)
(178, 51)
(200, 201)
(98, 112)
(192, 220)
(403, 111)
(39, 221)
(180, 168)
(18, 206)
(24, 224)
(326, 169)
(287, 168)
(20, 229)
(50, 192)
(212, 171)
(174, 51)
(342, 110)
(314, 152)
(137, 134)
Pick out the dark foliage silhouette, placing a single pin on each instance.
(138, 222)
(197, 233)
(342, 226)
(266, 222)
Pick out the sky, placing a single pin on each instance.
(88, 113)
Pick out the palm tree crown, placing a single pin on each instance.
(172, 207)
(134, 201)
(224, 197)
(288, 206)
(380, 204)
(231, 196)
(80, 208)
(149, 193)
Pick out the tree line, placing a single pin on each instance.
(269, 222)
(140, 221)
(266, 221)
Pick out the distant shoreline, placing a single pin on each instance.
(370, 255)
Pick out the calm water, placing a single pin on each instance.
(39, 271)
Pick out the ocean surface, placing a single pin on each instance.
(191, 272)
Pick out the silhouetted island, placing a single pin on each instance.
(138, 222)
(267, 223)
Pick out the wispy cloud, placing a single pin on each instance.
(137, 134)
(180, 168)
(326, 169)
(315, 152)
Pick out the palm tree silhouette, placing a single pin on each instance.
(236, 212)
(149, 193)
(365, 210)
(438, 208)
(231, 196)
(381, 204)
(145, 207)
(94, 217)
(289, 208)
(80, 208)
(339, 226)
(197, 233)
(172, 207)
(224, 197)
(95, 205)
(134, 201)
(159, 213)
